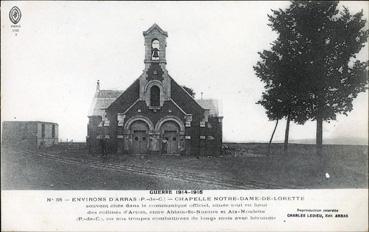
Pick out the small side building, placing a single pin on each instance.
(29, 134)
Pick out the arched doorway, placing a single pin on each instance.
(139, 130)
(169, 131)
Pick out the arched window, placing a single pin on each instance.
(155, 48)
(155, 96)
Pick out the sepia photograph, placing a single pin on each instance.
(186, 96)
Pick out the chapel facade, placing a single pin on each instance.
(154, 115)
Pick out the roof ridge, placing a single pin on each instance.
(157, 27)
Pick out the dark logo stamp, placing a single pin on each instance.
(15, 14)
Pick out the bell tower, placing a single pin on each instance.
(155, 45)
(155, 81)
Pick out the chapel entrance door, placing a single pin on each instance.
(170, 135)
(172, 139)
(139, 137)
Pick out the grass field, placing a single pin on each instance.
(244, 166)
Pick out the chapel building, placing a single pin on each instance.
(154, 115)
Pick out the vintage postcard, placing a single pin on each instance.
(184, 116)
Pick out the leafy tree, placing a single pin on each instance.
(283, 85)
(189, 90)
(323, 42)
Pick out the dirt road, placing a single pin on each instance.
(40, 170)
(69, 166)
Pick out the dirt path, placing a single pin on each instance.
(173, 178)
(71, 167)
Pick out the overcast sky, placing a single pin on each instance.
(50, 68)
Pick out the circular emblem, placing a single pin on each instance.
(15, 14)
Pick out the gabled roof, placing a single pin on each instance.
(101, 100)
(210, 104)
(126, 98)
(109, 93)
(155, 26)
(184, 99)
